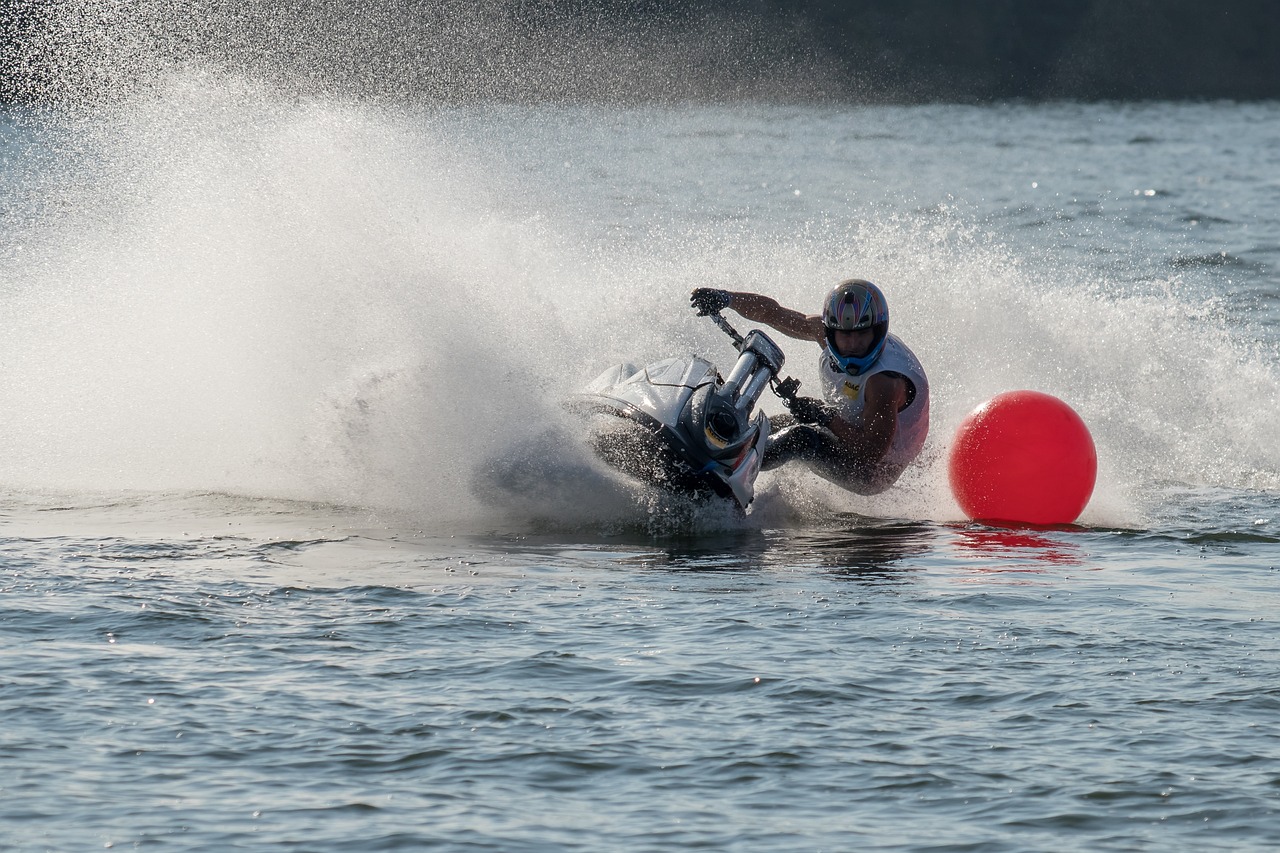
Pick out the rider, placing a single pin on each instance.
(876, 411)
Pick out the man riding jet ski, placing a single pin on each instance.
(874, 415)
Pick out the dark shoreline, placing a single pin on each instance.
(609, 51)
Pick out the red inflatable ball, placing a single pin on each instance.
(1023, 457)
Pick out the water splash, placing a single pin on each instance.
(83, 53)
(221, 282)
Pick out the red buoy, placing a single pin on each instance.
(1023, 457)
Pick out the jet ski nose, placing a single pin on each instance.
(724, 425)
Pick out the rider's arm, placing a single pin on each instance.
(763, 309)
(869, 439)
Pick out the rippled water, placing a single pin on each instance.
(251, 596)
(879, 684)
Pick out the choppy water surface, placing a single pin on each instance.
(271, 678)
(260, 586)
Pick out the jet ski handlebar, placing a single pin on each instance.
(720, 321)
(764, 348)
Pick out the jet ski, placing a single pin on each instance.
(677, 424)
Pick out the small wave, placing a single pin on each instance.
(1213, 259)
(1229, 537)
(1194, 218)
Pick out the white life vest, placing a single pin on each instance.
(845, 393)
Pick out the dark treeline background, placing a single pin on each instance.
(994, 49)
(849, 50)
(1122, 49)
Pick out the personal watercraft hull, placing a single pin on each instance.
(669, 424)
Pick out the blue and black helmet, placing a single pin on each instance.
(855, 304)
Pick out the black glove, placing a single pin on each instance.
(708, 300)
(807, 410)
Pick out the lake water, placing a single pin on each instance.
(261, 587)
